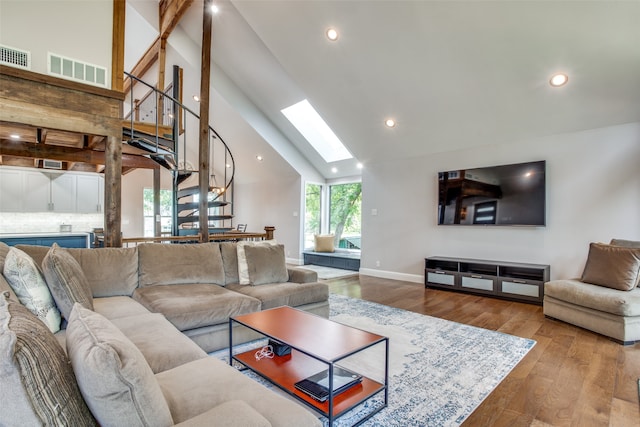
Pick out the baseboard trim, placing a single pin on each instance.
(294, 261)
(415, 278)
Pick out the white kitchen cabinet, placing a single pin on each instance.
(63, 192)
(11, 190)
(37, 192)
(89, 195)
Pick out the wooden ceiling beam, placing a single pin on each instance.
(144, 64)
(69, 154)
(171, 12)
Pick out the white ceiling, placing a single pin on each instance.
(454, 74)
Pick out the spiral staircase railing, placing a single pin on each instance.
(151, 135)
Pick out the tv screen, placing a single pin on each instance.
(496, 195)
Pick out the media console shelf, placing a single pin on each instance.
(508, 280)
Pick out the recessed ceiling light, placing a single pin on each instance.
(196, 98)
(215, 9)
(334, 169)
(14, 136)
(390, 123)
(332, 34)
(359, 166)
(228, 165)
(558, 80)
(259, 158)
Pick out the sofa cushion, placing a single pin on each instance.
(115, 380)
(109, 271)
(196, 305)
(615, 267)
(161, 344)
(162, 264)
(595, 297)
(266, 264)
(189, 392)
(117, 307)
(243, 268)
(230, 262)
(28, 284)
(287, 293)
(37, 384)
(66, 280)
(625, 243)
(324, 243)
(229, 414)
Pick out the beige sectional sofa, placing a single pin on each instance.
(139, 324)
(606, 298)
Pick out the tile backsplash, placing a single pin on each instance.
(48, 222)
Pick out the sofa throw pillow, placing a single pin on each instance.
(615, 267)
(29, 286)
(324, 243)
(243, 269)
(266, 264)
(36, 379)
(66, 280)
(4, 286)
(625, 243)
(113, 376)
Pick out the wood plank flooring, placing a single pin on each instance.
(572, 377)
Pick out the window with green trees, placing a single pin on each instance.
(343, 213)
(166, 203)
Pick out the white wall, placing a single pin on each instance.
(593, 194)
(277, 203)
(79, 30)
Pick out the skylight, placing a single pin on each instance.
(316, 131)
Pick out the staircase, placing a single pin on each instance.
(154, 128)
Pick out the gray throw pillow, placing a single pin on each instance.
(37, 384)
(266, 264)
(29, 286)
(625, 243)
(113, 376)
(615, 267)
(66, 280)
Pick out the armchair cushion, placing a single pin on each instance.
(114, 378)
(615, 267)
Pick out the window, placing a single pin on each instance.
(312, 213)
(166, 218)
(345, 201)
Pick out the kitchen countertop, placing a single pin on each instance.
(43, 234)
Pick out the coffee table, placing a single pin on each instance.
(317, 344)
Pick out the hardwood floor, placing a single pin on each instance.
(572, 377)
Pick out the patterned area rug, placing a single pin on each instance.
(439, 371)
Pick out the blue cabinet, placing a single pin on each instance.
(65, 241)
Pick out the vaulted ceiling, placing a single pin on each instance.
(453, 74)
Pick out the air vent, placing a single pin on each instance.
(51, 164)
(73, 69)
(15, 57)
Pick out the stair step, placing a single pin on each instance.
(194, 218)
(196, 205)
(150, 146)
(164, 160)
(183, 175)
(190, 191)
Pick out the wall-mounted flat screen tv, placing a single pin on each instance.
(496, 195)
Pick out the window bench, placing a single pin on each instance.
(346, 260)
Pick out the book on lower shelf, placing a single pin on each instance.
(317, 385)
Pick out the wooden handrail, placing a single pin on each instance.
(214, 237)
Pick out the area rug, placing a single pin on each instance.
(439, 371)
